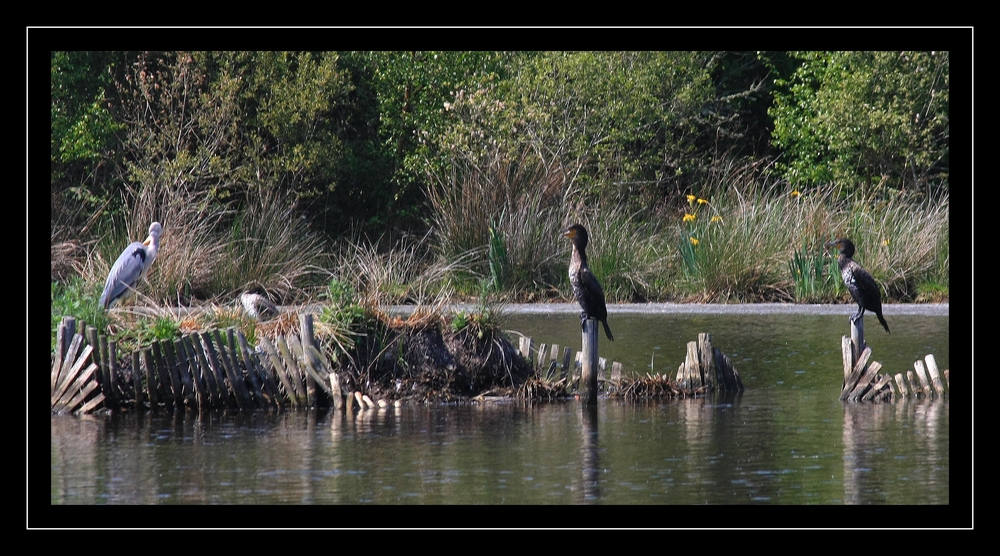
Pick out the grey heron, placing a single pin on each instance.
(130, 267)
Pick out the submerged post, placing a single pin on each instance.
(588, 378)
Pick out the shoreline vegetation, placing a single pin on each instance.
(361, 181)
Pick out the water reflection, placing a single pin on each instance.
(787, 439)
(589, 454)
(868, 433)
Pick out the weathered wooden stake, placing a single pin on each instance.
(137, 381)
(113, 368)
(706, 357)
(901, 384)
(932, 370)
(858, 334)
(925, 385)
(147, 361)
(588, 378)
(542, 352)
(525, 347)
(567, 359)
(306, 337)
(165, 392)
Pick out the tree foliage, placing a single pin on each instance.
(864, 118)
(356, 138)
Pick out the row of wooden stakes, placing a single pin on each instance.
(705, 368)
(205, 370)
(864, 382)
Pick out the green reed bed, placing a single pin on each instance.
(494, 230)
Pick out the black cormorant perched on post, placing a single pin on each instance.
(586, 288)
(862, 286)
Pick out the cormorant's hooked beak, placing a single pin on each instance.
(570, 233)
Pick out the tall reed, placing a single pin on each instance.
(519, 201)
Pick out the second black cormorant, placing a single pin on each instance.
(862, 286)
(586, 288)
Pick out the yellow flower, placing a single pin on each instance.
(694, 241)
(691, 199)
(702, 201)
(689, 218)
(885, 242)
(794, 193)
(716, 218)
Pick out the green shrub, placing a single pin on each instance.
(75, 298)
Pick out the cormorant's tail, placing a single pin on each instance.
(882, 320)
(607, 330)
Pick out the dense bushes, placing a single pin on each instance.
(861, 119)
(257, 162)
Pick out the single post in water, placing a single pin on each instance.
(588, 379)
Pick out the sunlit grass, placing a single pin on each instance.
(511, 210)
(410, 271)
(496, 232)
(742, 239)
(623, 255)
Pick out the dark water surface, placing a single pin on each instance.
(786, 440)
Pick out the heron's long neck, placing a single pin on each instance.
(153, 244)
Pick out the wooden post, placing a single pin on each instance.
(166, 392)
(214, 389)
(147, 360)
(858, 334)
(253, 372)
(109, 370)
(100, 343)
(588, 378)
(705, 357)
(932, 370)
(847, 352)
(64, 338)
(218, 368)
(292, 346)
(137, 381)
(170, 359)
(183, 370)
(306, 338)
(525, 347)
(901, 384)
(199, 395)
(692, 367)
(925, 385)
(567, 359)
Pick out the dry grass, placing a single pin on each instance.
(213, 256)
(521, 200)
(410, 271)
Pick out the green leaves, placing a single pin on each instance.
(865, 118)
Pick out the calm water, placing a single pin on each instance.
(786, 440)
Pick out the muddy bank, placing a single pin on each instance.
(433, 364)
